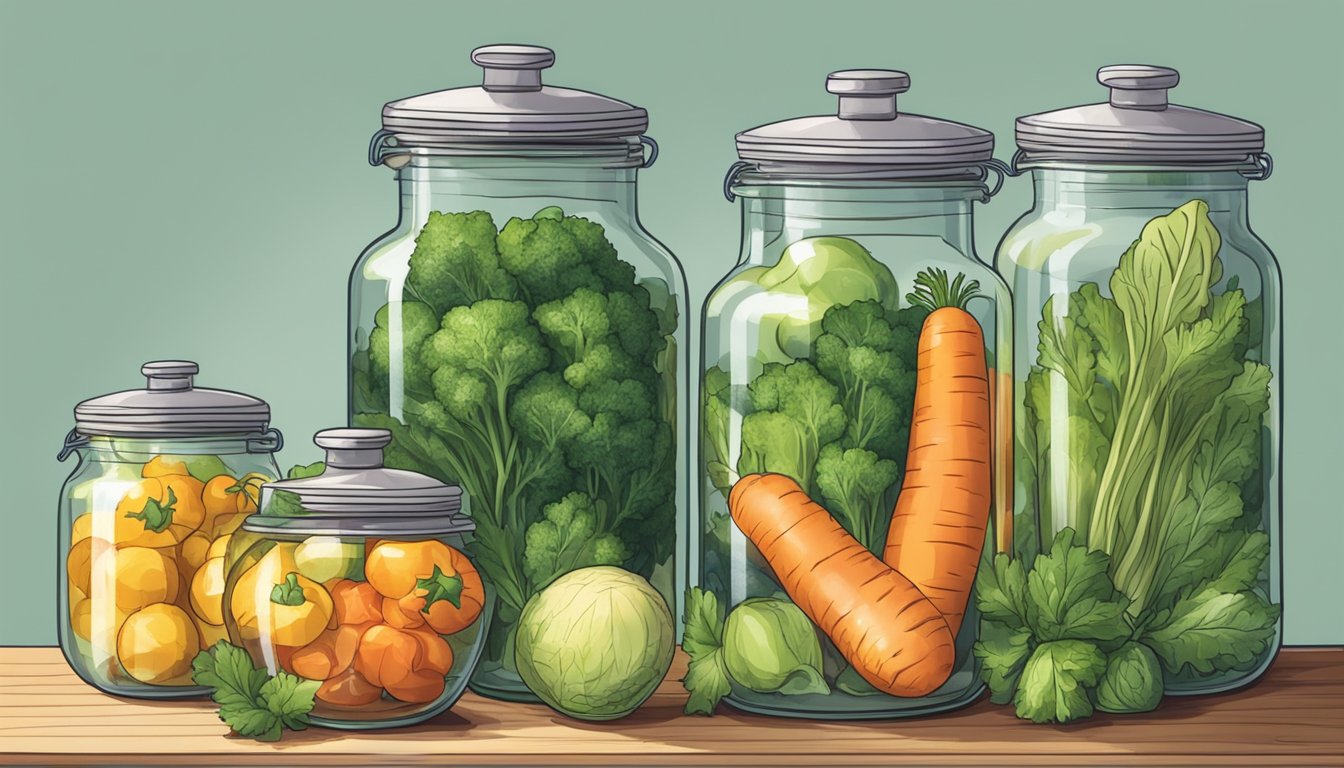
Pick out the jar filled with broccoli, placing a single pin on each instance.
(853, 418)
(519, 333)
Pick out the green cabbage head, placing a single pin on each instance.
(1132, 681)
(770, 646)
(595, 643)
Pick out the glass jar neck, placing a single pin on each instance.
(579, 185)
(1150, 189)
(789, 211)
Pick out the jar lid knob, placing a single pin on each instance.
(353, 448)
(512, 68)
(867, 94)
(1138, 86)
(169, 375)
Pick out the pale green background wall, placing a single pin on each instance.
(189, 180)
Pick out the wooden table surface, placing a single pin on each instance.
(1293, 716)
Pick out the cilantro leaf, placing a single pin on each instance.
(1056, 680)
(1070, 595)
(440, 586)
(290, 699)
(1000, 591)
(707, 682)
(1213, 630)
(1002, 650)
(252, 703)
(707, 676)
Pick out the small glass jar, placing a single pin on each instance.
(165, 475)
(852, 225)
(358, 578)
(1149, 366)
(521, 334)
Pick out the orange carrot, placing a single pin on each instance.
(892, 635)
(938, 526)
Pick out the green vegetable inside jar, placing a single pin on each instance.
(1147, 406)
(853, 361)
(520, 334)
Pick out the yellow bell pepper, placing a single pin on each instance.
(207, 591)
(160, 512)
(272, 601)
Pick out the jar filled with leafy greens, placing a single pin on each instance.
(1147, 379)
(520, 335)
(850, 426)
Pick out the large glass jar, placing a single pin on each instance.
(856, 275)
(165, 474)
(357, 578)
(520, 333)
(1148, 369)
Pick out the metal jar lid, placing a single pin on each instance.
(867, 137)
(1139, 126)
(356, 495)
(509, 108)
(171, 406)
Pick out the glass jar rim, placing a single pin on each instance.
(387, 148)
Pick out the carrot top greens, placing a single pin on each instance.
(934, 291)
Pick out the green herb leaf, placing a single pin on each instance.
(156, 516)
(288, 592)
(1000, 592)
(440, 586)
(290, 699)
(1070, 596)
(707, 676)
(252, 703)
(1057, 681)
(1214, 630)
(1003, 651)
(707, 682)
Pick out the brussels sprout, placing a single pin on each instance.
(595, 643)
(827, 271)
(1132, 681)
(770, 646)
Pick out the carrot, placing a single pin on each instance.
(891, 634)
(938, 526)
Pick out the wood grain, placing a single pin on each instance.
(1292, 716)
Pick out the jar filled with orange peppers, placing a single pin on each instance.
(356, 576)
(165, 475)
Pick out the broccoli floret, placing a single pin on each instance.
(574, 323)
(795, 412)
(494, 339)
(864, 353)
(417, 323)
(568, 536)
(546, 259)
(853, 483)
(455, 262)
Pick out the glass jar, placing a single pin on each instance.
(358, 578)
(520, 333)
(813, 346)
(1148, 368)
(164, 475)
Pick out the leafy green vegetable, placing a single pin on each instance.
(770, 646)
(1056, 680)
(1002, 651)
(533, 370)
(706, 677)
(794, 413)
(252, 703)
(1069, 595)
(1158, 453)
(1132, 681)
(287, 503)
(853, 483)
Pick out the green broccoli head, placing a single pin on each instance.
(414, 322)
(795, 412)
(863, 349)
(575, 323)
(853, 483)
(568, 536)
(455, 262)
(493, 339)
(546, 259)
(546, 411)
